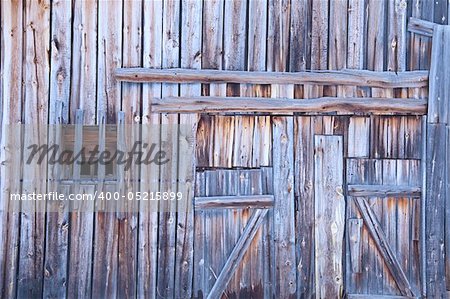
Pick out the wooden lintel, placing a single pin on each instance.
(324, 77)
(234, 202)
(383, 191)
(327, 105)
(422, 27)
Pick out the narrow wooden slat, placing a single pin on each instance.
(11, 108)
(354, 234)
(171, 43)
(234, 202)
(283, 210)
(84, 53)
(150, 175)
(423, 27)
(358, 137)
(304, 197)
(55, 264)
(130, 105)
(382, 244)
(104, 270)
(317, 77)
(439, 92)
(371, 296)
(349, 106)
(36, 66)
(109, 55)
(191, 40)
(329, 215)
(447, 211)
(435, 210)
(238, 252)
(81, 226)
(383, 190)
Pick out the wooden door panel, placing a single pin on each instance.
(386, 249)
(217, 231)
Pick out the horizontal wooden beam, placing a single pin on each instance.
(422, 27)
(234, 202)
(326, 77)
(371, 296)
(330, 105)
(383, 191)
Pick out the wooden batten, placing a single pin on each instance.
(383, 191)
(437, 164)
(421, 27)
(324, 77)
(234, 202)
(330, 105)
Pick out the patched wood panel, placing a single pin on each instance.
(217, 231)
(399, 219)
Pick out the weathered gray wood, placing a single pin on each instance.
(191, 39)
(11, 88)
(447, 212)
(35, 71)
(109, 56)
(130, 105)
(422, 27)
(383, 190)
(367, 296)
(354, 227)
(304, 196)
(238, 252)
(283, 210)
(234, 202)
(329, 215)
(81, 226)
(171, 43)
(373, 225)
(358, 137)
(318, 77)
(104, 270)
(349, 106)
(55, 264)
(148, 217)
(435, 210)
(439, 92)
(84, 56)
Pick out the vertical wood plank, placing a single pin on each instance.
(83, 93)
(447, 211)
(109, 57)
(329, 215)
(81, 225)
(131, 101)
(148, 217)
(283, 210)
(36, 70)
(169, 144)
(104, 270)
(11, 108)
(304, 193)
(358, 137)
(191, 37)
(435, 212)
(56, 253)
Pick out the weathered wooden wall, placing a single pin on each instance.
(57, 66)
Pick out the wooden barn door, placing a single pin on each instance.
(383, 227)
(232, 233)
